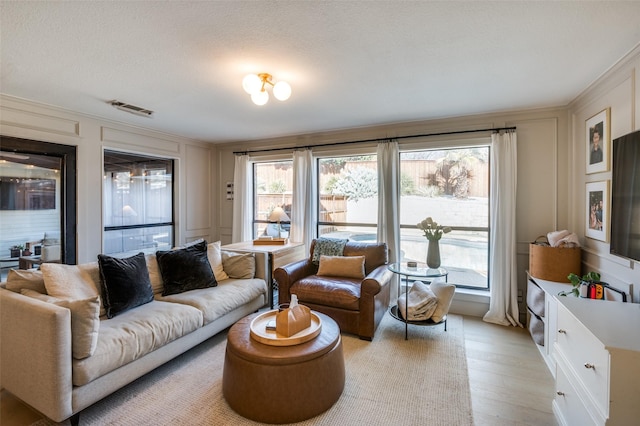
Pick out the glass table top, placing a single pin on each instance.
(421, 270)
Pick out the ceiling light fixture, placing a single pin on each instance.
(255, 85)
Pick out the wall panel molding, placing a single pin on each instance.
(143, 141)
(40, 122)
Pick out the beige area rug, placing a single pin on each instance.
(420, 381)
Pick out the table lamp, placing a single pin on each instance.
(278, 215)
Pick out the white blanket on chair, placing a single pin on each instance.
(422, 302)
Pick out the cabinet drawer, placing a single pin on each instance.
(571, 407)
(586, 356)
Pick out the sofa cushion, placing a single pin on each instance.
(239, 265)
(185, 269)
(125, 283)
(341, 266)
(133, 334)
(19, 279)
(444, 292)
(154, 273)
(72, 281)
(85, 321)
(329, 291)
(227, 296)
(214, 254)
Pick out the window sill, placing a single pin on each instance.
(470, 295)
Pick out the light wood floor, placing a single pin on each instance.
(510, 383)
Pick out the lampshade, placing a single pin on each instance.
(282, 90)
(128, 211)
(260, 98)
(278, 215)
(252, 84)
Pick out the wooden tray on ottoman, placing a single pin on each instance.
(259, 332)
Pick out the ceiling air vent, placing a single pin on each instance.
(131, 108)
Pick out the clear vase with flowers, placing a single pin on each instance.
(433, 231)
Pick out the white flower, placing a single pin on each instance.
(432, 230)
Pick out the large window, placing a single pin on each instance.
(272, 188)
(348, 197)
(138, 203)
(452, 187)
(37, 183)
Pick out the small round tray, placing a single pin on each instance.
(259, 332)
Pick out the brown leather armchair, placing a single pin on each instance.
(357, 305)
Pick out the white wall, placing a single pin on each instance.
(195, 194)
(619, 90)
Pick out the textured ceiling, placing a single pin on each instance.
(350, 63)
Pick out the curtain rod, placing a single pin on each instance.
(456, 132)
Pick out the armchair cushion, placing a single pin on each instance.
(338, 292)
(341, 266)
(328, 247)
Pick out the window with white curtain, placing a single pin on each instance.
(138, 203)
(272, 188)
(449, 184)
(452, 187)
(348, 197)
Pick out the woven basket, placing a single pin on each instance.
(553, 263)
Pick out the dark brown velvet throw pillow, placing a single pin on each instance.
(125, 283)
(185, 269)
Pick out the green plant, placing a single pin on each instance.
(576, 282)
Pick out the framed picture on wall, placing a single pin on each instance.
(598, 141)
(597, 210)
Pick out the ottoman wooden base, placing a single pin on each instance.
(283, 384)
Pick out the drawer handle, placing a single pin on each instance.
(587, 365)
(562, 331)
(560, 393)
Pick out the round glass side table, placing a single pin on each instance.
(421, 271)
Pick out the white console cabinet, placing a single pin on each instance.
(597, 353)
(549, 290)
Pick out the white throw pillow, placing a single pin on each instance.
(444, 292)
(239, 265)
(19, 279)
(85, 321)
(72, 281)
(214, 254)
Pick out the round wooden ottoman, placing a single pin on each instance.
(283, 384)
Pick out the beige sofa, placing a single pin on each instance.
(38, 352)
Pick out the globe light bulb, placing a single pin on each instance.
(260, 98)
(251, 84)
(282, 90)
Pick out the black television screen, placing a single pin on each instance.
(17, 193)
(625, 196)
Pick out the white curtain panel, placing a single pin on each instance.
(503, 307)
(242, 228)
(302, 209)
(388, 198)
